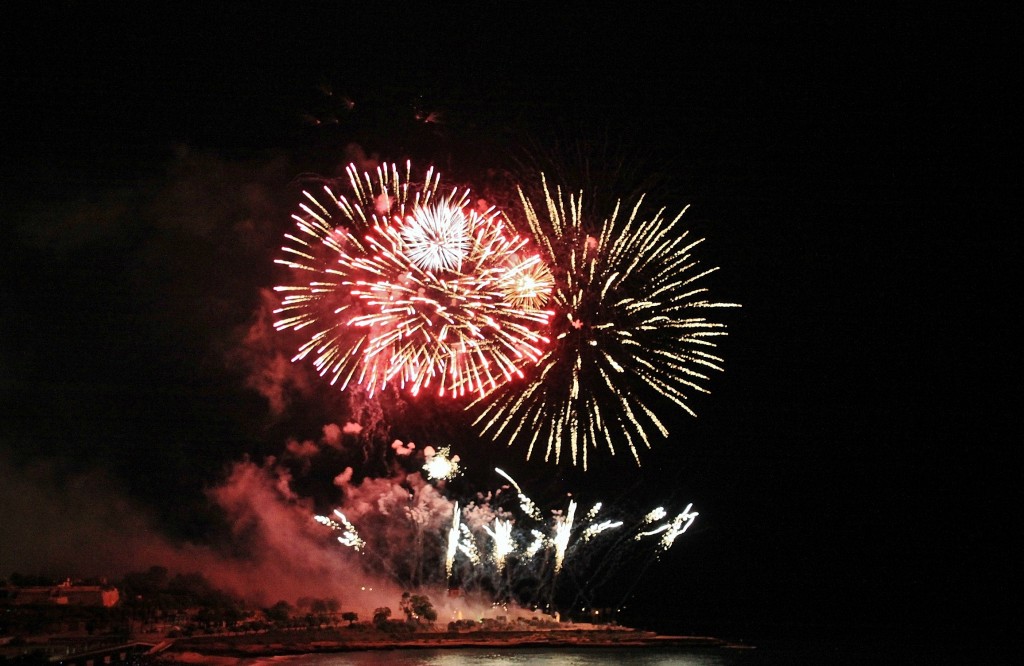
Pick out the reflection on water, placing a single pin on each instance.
(507, 657)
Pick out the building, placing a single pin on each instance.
(66, 594)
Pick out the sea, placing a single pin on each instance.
(865, 651)
(523, 656)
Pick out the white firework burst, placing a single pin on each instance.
(436, 236)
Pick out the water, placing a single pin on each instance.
(865, 651)
(569, 656)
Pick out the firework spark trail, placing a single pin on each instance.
(539, 540)
(563, 530)
(593, 512)
(525, 503)
(349, 536)
(453, 543)
(467, 545)
(505, 475)
(504, 545)
(655, 514)
(412, 288)
(628, 326)
(672, 529)
(594, 529)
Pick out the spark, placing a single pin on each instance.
(655, 514)
(349, 536)
(630, 336)
(437, 237)
(594, 529)
(528, 283)
(410, 287)
(467, 545)
(563, 529)
(503, 542)
(453, 542)
(489, 548)
(525, 503)
(672, 529)
(539, 540)
(504, 474)
(440, 465)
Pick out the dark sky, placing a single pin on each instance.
(852, 465)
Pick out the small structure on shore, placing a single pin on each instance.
(66, 593)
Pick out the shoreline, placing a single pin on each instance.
(226, 650)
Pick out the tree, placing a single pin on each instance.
(380, 617)
(351, 617)
(418, 608)
(279, 612)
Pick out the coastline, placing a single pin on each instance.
(228, 650)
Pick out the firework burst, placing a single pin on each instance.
(437, 237)
(411, 287)
(441, 464)
(629, 333)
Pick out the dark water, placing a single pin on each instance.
(524, 656)
(866, 651)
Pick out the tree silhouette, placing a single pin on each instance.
(380, 616)
(418, 608)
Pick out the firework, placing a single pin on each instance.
(655, 514)
(590, 515)
(593, 529)
(437, 237)
(507, 552)
(349, 536)
(528, 283)
(440, 464)
(453, 543)
(629, 332)
(503, 542)
(597, 528)
(563, 529)
(525, 503)
(467, 545)
(539, 539)
(671, 529)
(411, 287)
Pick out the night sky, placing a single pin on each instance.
(852, 466)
